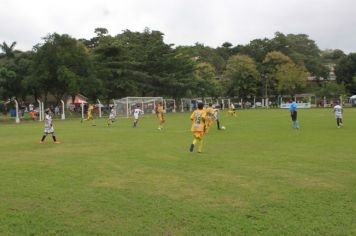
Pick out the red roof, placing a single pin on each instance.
(79, 101)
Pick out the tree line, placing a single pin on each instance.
(142, 64)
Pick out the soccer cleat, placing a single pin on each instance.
(57, 142)
(41, 142)
(191, 147)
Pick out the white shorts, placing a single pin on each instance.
(111, 116)
(338, 116)
(136, 117)
(49, 130)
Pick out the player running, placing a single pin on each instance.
(198, 127)
(49, 129)
(160, 115)
(216, 118)
(90, 115)
(112, 115)
(338, 114)
(137, 113)
(232, 110)
(209, 116)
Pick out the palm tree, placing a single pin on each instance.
(8, 50)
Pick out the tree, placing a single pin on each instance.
(100, 32)
(115, 69)
(270, 65)
(9, 51)
(6, 77)
(257, 49)
(155, 67)
(225, 51)
(331, 89)
(241, 76)
(302, 50)
(18, 63)
(330, 56)
(345, 72)
(60, 66)
(203, 53)
(93, 42)
(291, 78)
(206, 83)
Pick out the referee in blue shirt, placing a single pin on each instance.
(293, 113)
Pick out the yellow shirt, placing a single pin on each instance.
(160, 110)
(90, 109)
(198, 120)
(209, 113)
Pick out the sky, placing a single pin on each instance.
(330, 23)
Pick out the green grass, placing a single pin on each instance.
(258, 177)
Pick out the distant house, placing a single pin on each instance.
(78, 99)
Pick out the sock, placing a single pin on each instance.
(54, 138)
(338, 121)
(200, 145)
(195, 140)
(191, 147)
(43, 138)
(218, 124)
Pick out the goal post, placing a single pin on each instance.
(186, 104)
(125, 106)
(169, 105)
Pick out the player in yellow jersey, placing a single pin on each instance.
(232, 110)
(209, 117)
(198, 127)
(160, 115)
(90, 115)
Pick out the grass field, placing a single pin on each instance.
(258, 177)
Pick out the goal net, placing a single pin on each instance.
(125, 106)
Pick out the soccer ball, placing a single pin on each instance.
(223, 127)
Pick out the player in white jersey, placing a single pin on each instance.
(137, 113)
(216, 118)
(338, 114)
(49, 129)
(112, 115)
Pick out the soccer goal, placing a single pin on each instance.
(225, 103)
(209, 100)
(186, 104)
(125, 106)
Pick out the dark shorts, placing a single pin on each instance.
(294, 115)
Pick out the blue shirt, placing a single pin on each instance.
(293, 107)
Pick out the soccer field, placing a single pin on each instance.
(257, 177)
